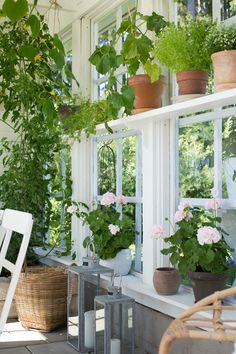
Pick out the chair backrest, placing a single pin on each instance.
(20, 222)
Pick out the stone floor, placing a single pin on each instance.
(17, 340)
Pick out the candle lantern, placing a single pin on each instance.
(114, 332)
(84, 283)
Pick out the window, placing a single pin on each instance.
(207, 158)
(117, 166)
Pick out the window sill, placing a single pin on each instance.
(144, 294)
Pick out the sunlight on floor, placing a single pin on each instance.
(14, 332)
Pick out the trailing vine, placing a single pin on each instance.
(30, 59)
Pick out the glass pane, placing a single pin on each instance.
(196, 175)
(229, 157)
(195, 7)
(134, 211)
(228, 9)
(229, 225)
(106, 167)
(129, 166)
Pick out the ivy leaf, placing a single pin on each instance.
(28, 51)
(15, 10)
(58, 43)
(34, 24)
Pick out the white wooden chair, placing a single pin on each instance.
(20, 222)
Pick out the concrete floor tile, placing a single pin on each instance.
(52, 348)
(21, 338)
(15, 351)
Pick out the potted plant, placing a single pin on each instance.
(30, 59)
(136, 52)
(229, 156)
(181, 48)
(111, 232)
(221, 43)
(198, 247)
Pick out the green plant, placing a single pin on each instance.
(83, 116)
(182, 48)
(136, 51)
(198, 244)
(229, 138)
(111, 231)
(220, 37)
(30, 59)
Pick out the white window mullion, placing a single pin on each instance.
(138, 206)
(119, 166)
(218, 154)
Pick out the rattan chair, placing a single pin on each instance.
(193, 324)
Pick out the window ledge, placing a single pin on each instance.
(144, 294)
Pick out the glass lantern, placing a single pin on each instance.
(84, 283)
(114, 324)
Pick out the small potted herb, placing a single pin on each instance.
(181, 48)
(136, 52)
(221, 44)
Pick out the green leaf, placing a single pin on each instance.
(128, 97)
(116, 99)
(108, 128)
(155, 23)
(15, 10)
(28, 51)
(58, 43)
(34, 24)
(130, 47)
(58, 58)
(152, 70)
(48, 108)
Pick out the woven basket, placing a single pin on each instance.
(41, 298)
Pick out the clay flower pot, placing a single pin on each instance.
(205, 283)
(224, 65)
(192, 82)
(147, 95)
(166, 280)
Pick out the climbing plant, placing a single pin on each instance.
(30, 58)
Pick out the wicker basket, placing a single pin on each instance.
(41, 298)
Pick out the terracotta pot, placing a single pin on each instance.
(166, 280)
(192, 82)
(147, 95)
(205, 283)
(224, 65)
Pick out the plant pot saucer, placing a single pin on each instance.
(183, 98)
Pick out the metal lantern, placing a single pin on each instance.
(114, 323)
(84, 283)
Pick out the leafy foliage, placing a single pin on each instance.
(106, 243)
(182, 48)
(29, 61)
(84, 116)
(136, 50)
(221, 37)
(229, 138)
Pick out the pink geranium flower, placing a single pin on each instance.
(108, 198)
(184, 205)
(214, 203)
(120, 199)
(207, 235)
(182, 215)
(158, 231)
(113, 229)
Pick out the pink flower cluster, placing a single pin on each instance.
(208, 235)
(72, 209)
(183, 213)
(113, 229)
(110, 198)
(158, 231)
